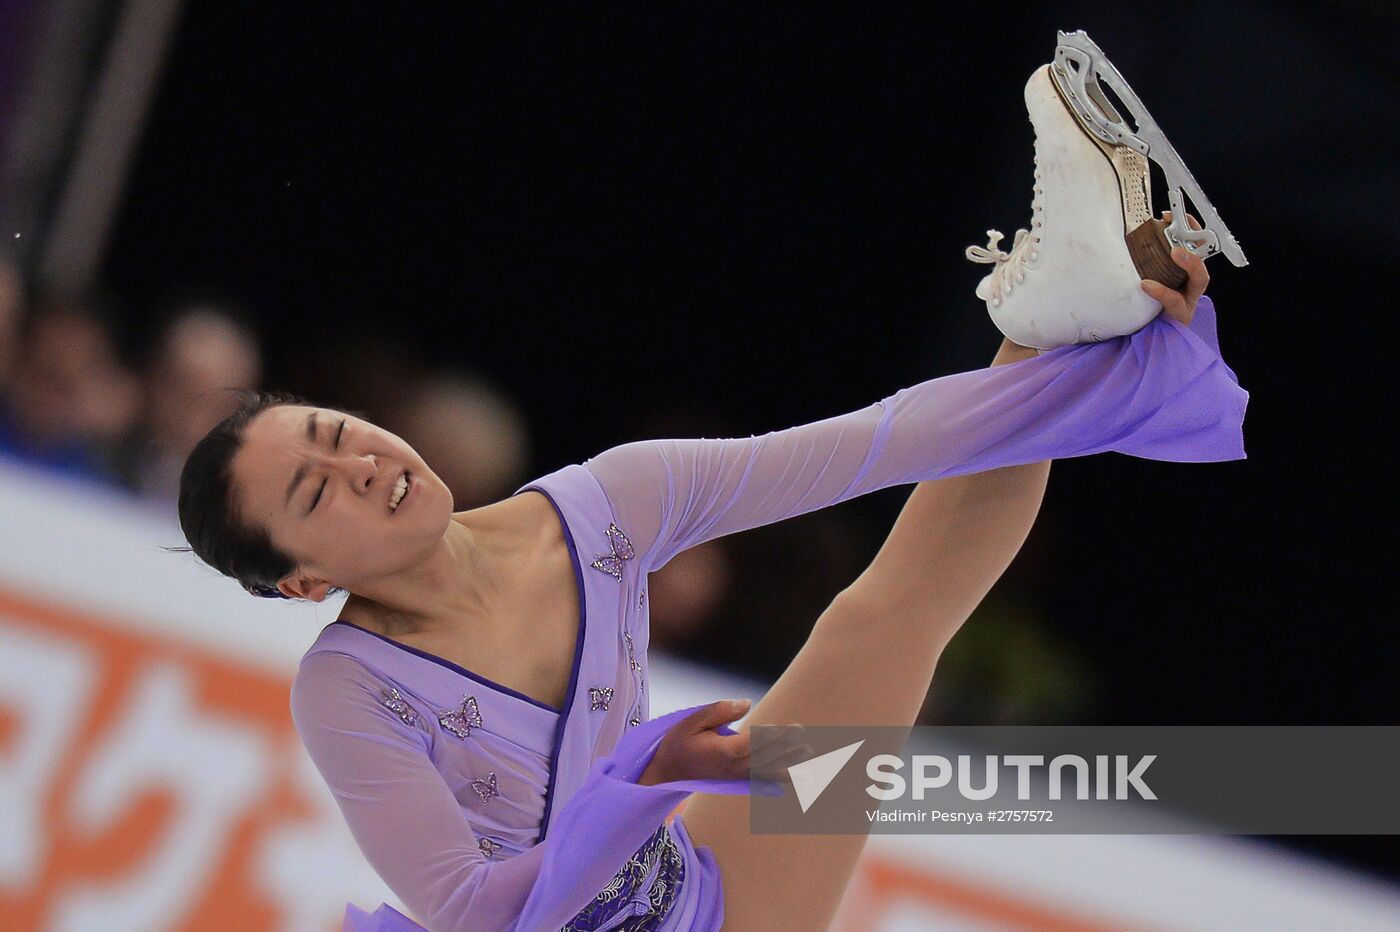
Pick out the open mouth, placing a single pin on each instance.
(400, 492)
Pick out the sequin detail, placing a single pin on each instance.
(635, 718)
(611, 563)
(395, 703)
(488, 847)
(599, 697)
(461, 722)
(641, 894)
(486, 789)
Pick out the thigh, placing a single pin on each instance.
(865, 663)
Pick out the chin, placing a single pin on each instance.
(437, 506)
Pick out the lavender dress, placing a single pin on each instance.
(485, 809)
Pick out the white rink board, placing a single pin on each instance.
(122, 672)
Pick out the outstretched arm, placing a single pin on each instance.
(1162, 393)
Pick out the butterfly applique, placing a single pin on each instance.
(486, 789)
(611, 563)
(599, 697)
(488, 847)
(395, 703)
(461, 722)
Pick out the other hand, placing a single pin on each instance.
(694, 750)
(1181, 305)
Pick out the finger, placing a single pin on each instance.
(788, 748)
(1197, 276)
(1173, 304)
(720, 747)
(1191, 221)
(773, 774)
(736, 747)
(735, 756)
(780, 769)
(780, 762)
(790, 757)
(715, 714)
(777, 737)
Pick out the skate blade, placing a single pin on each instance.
(1148, 246)
(1079, 65)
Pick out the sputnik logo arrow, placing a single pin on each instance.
(811, 777)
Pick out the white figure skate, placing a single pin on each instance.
(1074, 277)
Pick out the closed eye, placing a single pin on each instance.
(336, 444)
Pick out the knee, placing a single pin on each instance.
(876, 602)
(872, 610)
(869, 600)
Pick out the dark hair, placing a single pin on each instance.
(209, 515)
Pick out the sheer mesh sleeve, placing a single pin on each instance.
(1162, 393)
(412, 831)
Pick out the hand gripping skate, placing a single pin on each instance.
(1078, 67)
(1074, 276)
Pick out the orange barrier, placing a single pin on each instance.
(883, 885)
(140, 689)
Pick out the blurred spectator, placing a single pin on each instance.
(371, 375)
(201, 354)
(471, 434)
(687, 593)
(11, 307)
(69, 397)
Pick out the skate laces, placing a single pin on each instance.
(1011, 264)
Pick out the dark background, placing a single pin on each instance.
(758, 213)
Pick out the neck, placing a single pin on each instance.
(466, 581)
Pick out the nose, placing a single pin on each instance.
(363, 471)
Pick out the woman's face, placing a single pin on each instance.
(324, 485)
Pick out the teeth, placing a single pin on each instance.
(400, 488)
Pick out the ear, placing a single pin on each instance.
(304, 587)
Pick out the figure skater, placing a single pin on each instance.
(480, 707)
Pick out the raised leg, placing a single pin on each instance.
(868, 661)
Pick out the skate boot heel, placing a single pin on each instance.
(1152, 254)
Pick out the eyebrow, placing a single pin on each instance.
(300, 474)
